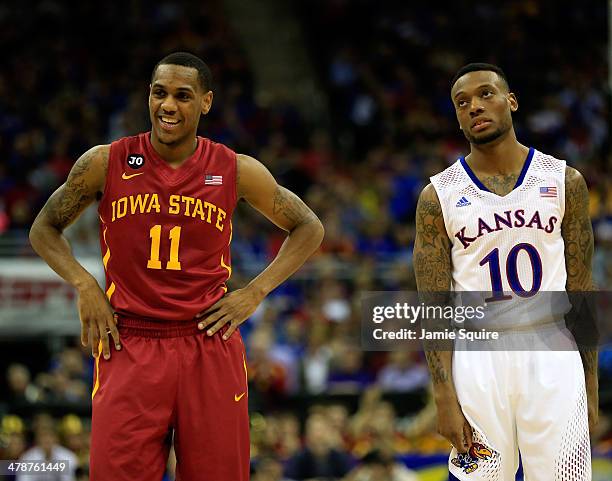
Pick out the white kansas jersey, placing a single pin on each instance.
(509, 246)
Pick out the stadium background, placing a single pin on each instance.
(347, 103)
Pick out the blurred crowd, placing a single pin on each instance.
(343, 420)
(284, 441)
(394, 125)
(390, 125)
(331, 443)
(386, 74)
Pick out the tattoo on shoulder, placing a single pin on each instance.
(577, 232)
(291, 207)
(427, 213)
(64, 206)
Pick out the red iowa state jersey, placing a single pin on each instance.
(164, 232)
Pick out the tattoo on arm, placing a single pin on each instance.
(432, 266)
(431, 270)
(577, 233)
(64, 206)
(291, 207)
(427, 213)
(432, 249)
(439, 374)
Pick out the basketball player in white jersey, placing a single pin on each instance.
(513, 221)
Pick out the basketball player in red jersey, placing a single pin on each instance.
(166, 204)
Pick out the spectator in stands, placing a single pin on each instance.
(47, 449)
(335, 305)
(12, 437)
(289, 435)
(74, 437)
(315, 361)
(268, 469)
(318, 458)
(21, 390)
(267, 376)
(348, 373)
(42, 420)
(338, 418)
(63, 388)
(376, 466)
(403, 373)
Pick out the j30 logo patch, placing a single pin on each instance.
(469, 461)
(135, 161)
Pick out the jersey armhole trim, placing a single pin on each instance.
(235, 180)
(562, 191)
(107, 177)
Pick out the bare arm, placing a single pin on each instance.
(285, 209)
(433, 271)
(85, 182)
(577, 233)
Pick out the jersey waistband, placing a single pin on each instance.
(133, 326)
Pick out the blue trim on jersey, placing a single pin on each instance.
(481, 186)
(452, 477)
(526, 165)
(470, 172)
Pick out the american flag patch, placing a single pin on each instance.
(213, 179)
(548, 192)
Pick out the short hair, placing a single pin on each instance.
(477, 67)
(186, 59)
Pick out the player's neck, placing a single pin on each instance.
(176, 153)
(504, 157)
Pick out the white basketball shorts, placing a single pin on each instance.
(532, 402)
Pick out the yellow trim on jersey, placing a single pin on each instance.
(110, 291)
(225, 266)
(97, 384)
(246, 373)
(107, 255)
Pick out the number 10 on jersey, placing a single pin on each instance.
(492, 259)
(173, 263)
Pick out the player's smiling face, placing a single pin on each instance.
(483, 106)
(176, 101)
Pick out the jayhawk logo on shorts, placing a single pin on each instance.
(469, 461)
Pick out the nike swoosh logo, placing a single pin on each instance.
(238, 398)
(124, 176)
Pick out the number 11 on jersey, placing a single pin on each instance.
(173, 263)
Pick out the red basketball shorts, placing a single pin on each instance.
(170, 376)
